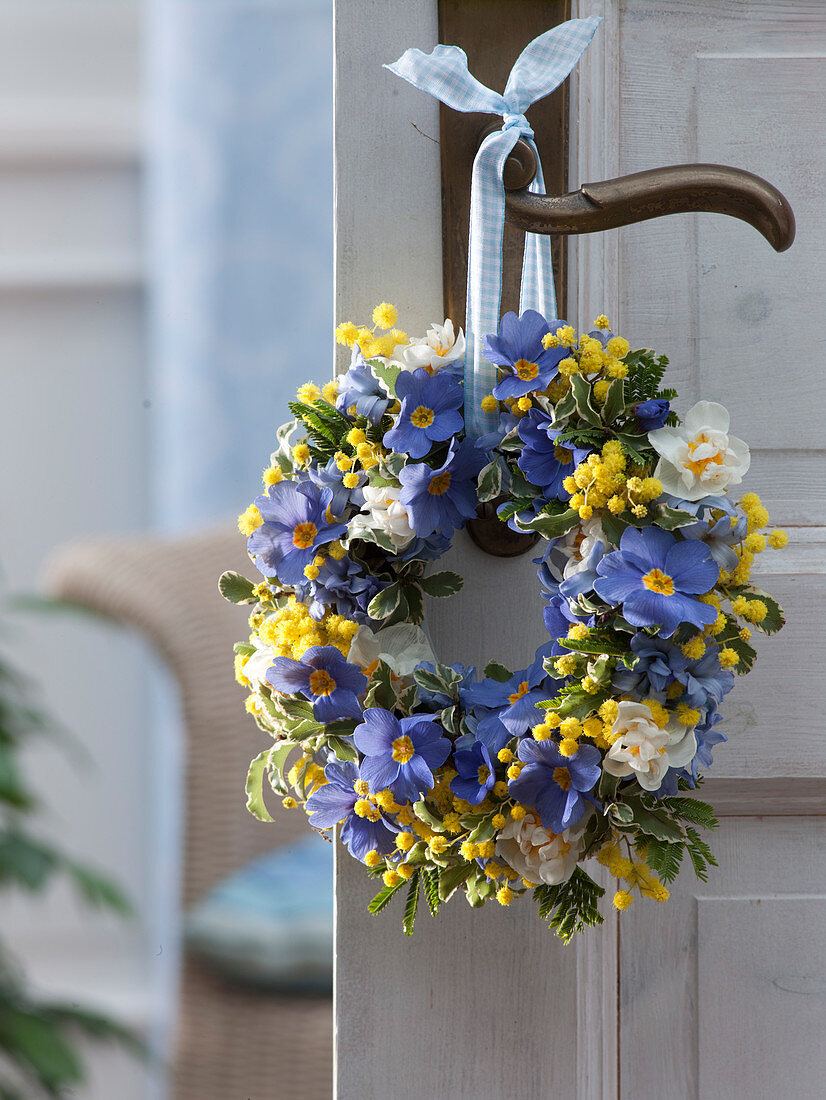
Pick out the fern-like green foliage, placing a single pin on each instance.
(326, 427)
(412, 904)
(645, 375)
(430, 879)
(39, 1056)
(571, 906)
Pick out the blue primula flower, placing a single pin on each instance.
(543, 462)
(324, 677)
(558, 619)
(556, 785)
(359, 390)
(655, 578)
(332, 478)
(515, 699)
(707, 738)
(335, 803)
(402, 754)
(720, 538)
(706, 682)
(295, 526)
(654, 670)
(342, 584)
(518, 348)
(651, 415)
(429, 412)
(476, 773)
(487, 726)
(445, 498)
(660, 664)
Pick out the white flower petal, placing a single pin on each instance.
(706, 414)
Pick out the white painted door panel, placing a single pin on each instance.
(721, 991)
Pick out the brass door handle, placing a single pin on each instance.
(656, 193)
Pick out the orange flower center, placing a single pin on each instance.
(304, 535)
(321, 682)
(402, 749)
(525, 370)
(659, 582)
(562, 777)
(523, 689)
(421, 417)
(563, 455)
(439, 484)
(698, 465)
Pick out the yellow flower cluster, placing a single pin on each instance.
(291, 630)
(601, 482)
(379, 341)
(249, 520)
(588, 356)
(757, 517)
(635, 872)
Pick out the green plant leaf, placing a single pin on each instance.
(415, 604)
(386, 602)
(551, 526)
(255, 786)
(451, 879)
(25, 861)
(38, 1045)
(98, 890)
(442, 584)
(775, 619)
(571, 906)
(343, 749)
(378, 538)
(495, 671)
(490, 480)
(565, 407)
(387, 372)
(597, 642)
(382, 898)
(411, 906)
(583, 397)
(655, 822)
(636, 447)
(236, 588)
(614, 404)
(380, 689)
(663, 858)
(670, 518)
(430, 881)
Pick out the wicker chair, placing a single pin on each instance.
(232, 1043)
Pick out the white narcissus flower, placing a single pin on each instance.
(382, 511)
(700, 458)
(646, 750)
(441, 345)
(256, 665)
(402, 647)
(536, 853)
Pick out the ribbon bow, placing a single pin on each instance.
(539, 70)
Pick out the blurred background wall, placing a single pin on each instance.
(165, 279)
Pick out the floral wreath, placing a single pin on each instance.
(445, 779)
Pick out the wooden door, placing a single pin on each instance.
(487, 1004)
(722, 992)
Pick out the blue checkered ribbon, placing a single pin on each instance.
(539, 69)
